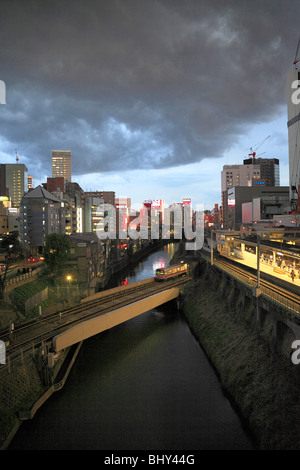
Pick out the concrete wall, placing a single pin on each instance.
(278, 325)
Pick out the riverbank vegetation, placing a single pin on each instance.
(262, 384)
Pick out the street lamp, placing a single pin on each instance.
(69, 279)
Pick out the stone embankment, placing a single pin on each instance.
(262, 384)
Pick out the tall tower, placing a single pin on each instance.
(293, 124)
(16, 175)
(61, 164)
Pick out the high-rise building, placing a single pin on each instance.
(61, 164)
(239, 175)
(269, 170)
(3, 188)
(13, 181)
(293, 112)
(261, 172)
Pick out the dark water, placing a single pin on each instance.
(144, 385)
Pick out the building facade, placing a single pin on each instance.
(41, 213)
(61, 164)
(13, 181)
(239, 175)
(272, 200)
(293, 115)
(269, 170)
(86, 260)
(108, 197)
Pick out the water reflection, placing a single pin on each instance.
(157, 264)
(144, 384)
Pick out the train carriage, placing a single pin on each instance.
(171, 272)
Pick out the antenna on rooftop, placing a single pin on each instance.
(17, 158)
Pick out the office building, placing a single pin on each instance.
(13, 182)
(30, 182)
(93, 214)
(61, 164)
(3, 188)
(293, 112)
(255, 172)
(271, 200)
(108, 197)
(41, 213)
(269, 170)
(239, 175)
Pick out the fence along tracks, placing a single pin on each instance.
(272, 291)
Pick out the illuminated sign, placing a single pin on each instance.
(186, 201)
(121, 206)
(158, 203)
(148, 203)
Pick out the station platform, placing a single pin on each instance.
(269, 269)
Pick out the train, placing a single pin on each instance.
(171, 272)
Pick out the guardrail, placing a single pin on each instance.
(265, 291)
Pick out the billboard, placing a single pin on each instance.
(186, 201)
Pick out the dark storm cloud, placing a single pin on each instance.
(129, 84)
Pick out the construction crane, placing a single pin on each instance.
(296, 56)
(253, 153)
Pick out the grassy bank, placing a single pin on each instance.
(262, 384)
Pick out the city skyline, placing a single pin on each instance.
(148, 112)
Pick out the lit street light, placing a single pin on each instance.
(69, 279)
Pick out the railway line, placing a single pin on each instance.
(25, 337)
(281, 295)
(23, 340)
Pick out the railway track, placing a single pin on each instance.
(281, 295)
(27, 336)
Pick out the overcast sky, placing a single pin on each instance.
(152, 97)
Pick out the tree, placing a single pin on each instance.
(56, 251)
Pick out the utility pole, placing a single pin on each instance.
(257, 264)
(212, 248)
(257, 288)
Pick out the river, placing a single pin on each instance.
(144, 385)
